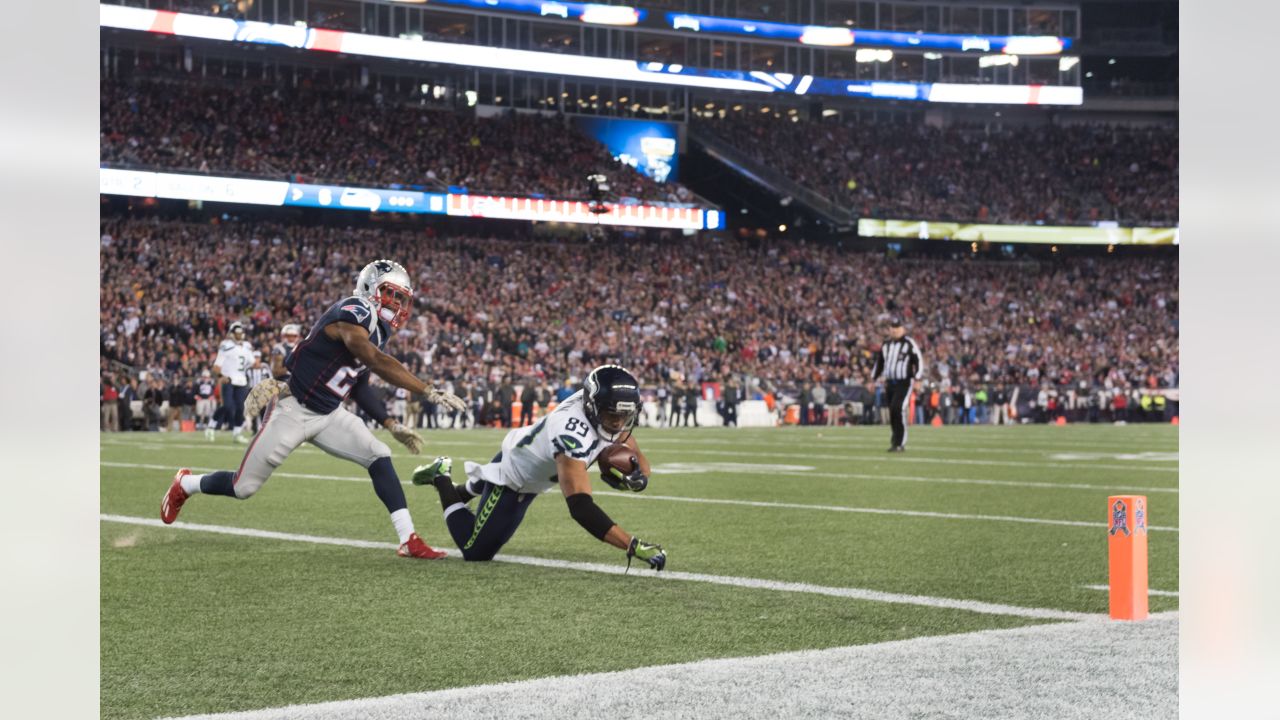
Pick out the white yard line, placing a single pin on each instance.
(619, 569)
(715, 501)
(870, 511)
(882, 458)
(928, 445)
(1153, 593)
(1067, 671)
(970, 481)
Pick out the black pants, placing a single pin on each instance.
(233, 398)
(899, 392)
(500, 512)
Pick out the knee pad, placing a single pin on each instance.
(478, 555)
(378, 449)
(246, 487)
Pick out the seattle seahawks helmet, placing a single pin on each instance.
(611, 401)
(386, 285)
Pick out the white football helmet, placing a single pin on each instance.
(386, 285)
(236, 330)
(290, 334)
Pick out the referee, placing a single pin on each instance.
(900, 364)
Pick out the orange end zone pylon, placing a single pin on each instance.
(1127, 553)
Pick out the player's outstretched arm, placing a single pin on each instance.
(356, 339)
(576, 486)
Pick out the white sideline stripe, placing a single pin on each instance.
(1157, 593)
(751, 583)
(788, 473)
(925, 446)
(716, 501)
(1061, 670)
(908, 458)
(874, 458)
(962, 481)
(870, 511)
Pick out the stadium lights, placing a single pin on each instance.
(610, 15)
(870, 55)
(996, 60)
(1038, 45)
(827, 36)
(566, 65)
(1066, 63)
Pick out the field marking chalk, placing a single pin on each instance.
(728, 580)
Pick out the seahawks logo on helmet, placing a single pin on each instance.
(611, 390)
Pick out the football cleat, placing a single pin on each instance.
(241, 439)
(173, 499)
(427, 474)
(416, 548)
(210, 434)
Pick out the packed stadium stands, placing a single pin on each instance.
(1056, 175)
(491, 308)
(322, 130)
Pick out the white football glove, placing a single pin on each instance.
(407, 437)
(261, 396)
(447, 399)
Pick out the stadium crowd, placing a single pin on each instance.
(1049, 174)
(775, 317)
(330, 131)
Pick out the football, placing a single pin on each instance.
(619, 457)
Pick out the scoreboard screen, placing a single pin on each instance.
(650, 146)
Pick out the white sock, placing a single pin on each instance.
(453, 509)
(235, 431)
(403, 523)
(191, 483)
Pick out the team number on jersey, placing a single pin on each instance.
(342, 381)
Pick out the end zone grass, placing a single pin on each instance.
(196, 622)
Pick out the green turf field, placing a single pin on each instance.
(196, 621)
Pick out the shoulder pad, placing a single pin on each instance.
(226, 345)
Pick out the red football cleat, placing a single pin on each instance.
(417, 549)
(174, 498)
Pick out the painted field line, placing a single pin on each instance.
(927, 445)
(1112, 488)
(874, 459)
(716, 501)
(974, 481)
(869, 511)
(617, 569)
(908, 458)
(1067, 671)
(1154, 593)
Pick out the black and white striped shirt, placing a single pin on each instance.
(258, 374)
(899, 360)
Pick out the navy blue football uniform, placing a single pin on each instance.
(323, 371)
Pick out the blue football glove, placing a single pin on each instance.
(648, 552)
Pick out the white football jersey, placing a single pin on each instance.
(528, 463)
(235, 359)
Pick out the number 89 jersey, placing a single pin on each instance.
(322, 370)
(528, 463)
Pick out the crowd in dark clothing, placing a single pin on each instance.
(1048, 174)
(771, 315)
(317, 130)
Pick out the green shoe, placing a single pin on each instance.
(427, 474)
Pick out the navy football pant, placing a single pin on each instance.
(499, 512)
(233, 401)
